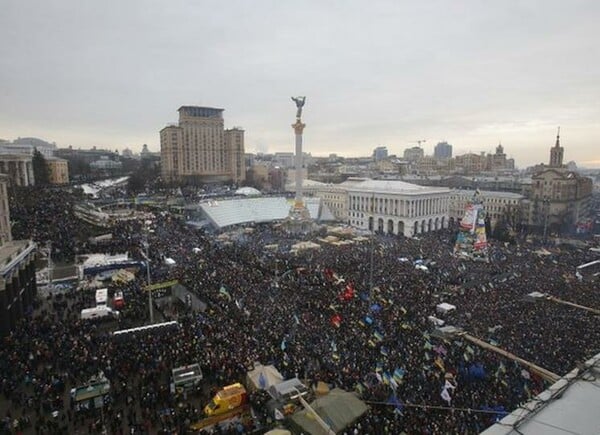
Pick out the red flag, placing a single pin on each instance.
(336, 320)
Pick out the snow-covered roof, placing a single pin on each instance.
(262, 209)
(248, 191)
(394, 186)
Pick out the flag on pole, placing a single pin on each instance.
(446, 395)
(440, 363)
(449, 385)
(440, 350)
(393, 400)
(262, 381)
(399, 374)
(223, 291)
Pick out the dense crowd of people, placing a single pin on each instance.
(328, 315)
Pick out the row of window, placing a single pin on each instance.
(411, 208)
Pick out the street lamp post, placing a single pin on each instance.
(371, 246)
(50, 265)
(147, 257)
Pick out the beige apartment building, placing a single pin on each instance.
(199, 149)
(560, 198)
(58, 170)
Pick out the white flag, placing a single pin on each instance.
(446, 395)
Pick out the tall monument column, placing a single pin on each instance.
(298, 129)
(299, 214)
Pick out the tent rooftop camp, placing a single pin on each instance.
(445, 307)
(263, 377)
(225, 213)
(338, 409)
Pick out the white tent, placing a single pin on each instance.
(436, 321)
(444, 308)
(262, 377)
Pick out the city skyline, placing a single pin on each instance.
(110, 75)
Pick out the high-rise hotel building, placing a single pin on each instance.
(199, 149)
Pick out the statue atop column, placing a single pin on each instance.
(299, 104)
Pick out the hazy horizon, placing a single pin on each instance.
(474, 74)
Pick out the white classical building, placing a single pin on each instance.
(396, 207)
(19, 168)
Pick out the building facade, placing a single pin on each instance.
(17, 269)
(442, 151)
(19, 169)
(27, 145)
(58, 170)
(234, 143)
(380, 153)
(413, 154)
(284, 159)
(199, 149)
(395, 207)
(5, 231)
(497, 161)
(470, 163)
(335, 197)
(560, 199)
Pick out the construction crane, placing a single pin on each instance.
(419, 142)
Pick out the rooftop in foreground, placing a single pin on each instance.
(570, 405)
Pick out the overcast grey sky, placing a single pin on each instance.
(113, 73)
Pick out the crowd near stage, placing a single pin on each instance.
(357, 312)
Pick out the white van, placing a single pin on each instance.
(98, 312)
(101, 297)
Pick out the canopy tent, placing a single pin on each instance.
(123, 275)
(262, 377)
(444, 308)
(300, 246)
(338, 409)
